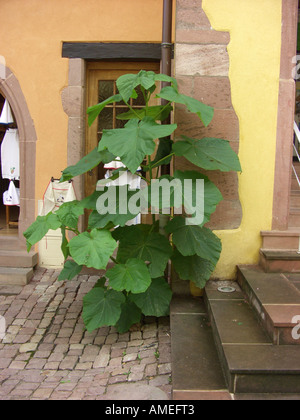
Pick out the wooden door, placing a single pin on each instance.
(101, 84)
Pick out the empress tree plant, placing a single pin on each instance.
(136, 257)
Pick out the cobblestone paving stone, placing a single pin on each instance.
(47, 355)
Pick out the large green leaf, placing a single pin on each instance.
(64, 243)
(95, 110)
(117, 210)
(133, 276)
(138, 242)
(93, 249)
(168, 79)
(101, 308)
(194, 240)
(158, 113)
(69, 214)
(212, 196)
(193, 268)
(71, 269)
(156, 300)
(204, 112)
(190, 189)
(90, 202)
(89, 162)
(163, 151)
(147, 79)
(130, 315)
(136, 140)
(128, 82)
(208, 153)
(40, 228)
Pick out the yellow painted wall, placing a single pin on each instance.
(254, 52)
(31, 36)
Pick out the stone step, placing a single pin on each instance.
(275, 299)
(295, 199)
(15, 276)
(266, 397)
(294, 218)
(10, 243)
(18, 258)
(280, 240)
(294, 183)
(280, 261)
(196, 370)
(252, 364)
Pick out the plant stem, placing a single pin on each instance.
(73, 230)
(141, 176)
(164, 158)
(133, 110)
(160, 112)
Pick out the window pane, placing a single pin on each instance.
(106, 90)
(140, 99)
(121, 123)
(105, 121)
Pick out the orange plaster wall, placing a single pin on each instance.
(31, 36)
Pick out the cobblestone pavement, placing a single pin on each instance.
(47, 355)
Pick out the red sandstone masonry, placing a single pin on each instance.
(201, 67)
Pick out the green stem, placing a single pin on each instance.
(161, 160)
(73, 230)
(133, 110)
(160, 112)
(141, 176)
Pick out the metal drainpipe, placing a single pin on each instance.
(167, 39)
(166, 68)
(166, 64)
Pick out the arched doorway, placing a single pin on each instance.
(9, 187)
(11, 90)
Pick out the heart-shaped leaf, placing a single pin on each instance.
(190, 189)
(156, 300)
(101, 308)
(135, 141)
(204, 112)
(133, 276)
(71, 269)
(147, 79)
(130, 315)
(208, 153)
(158, 113)
(194, 240)
(40, 228)
(116, 207)
(128, 82)
(139, 242)
(93, 249)
(193, 268)
(69, 213)
(89, 162)
(95, 110)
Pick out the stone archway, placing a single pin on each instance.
(11, 89)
